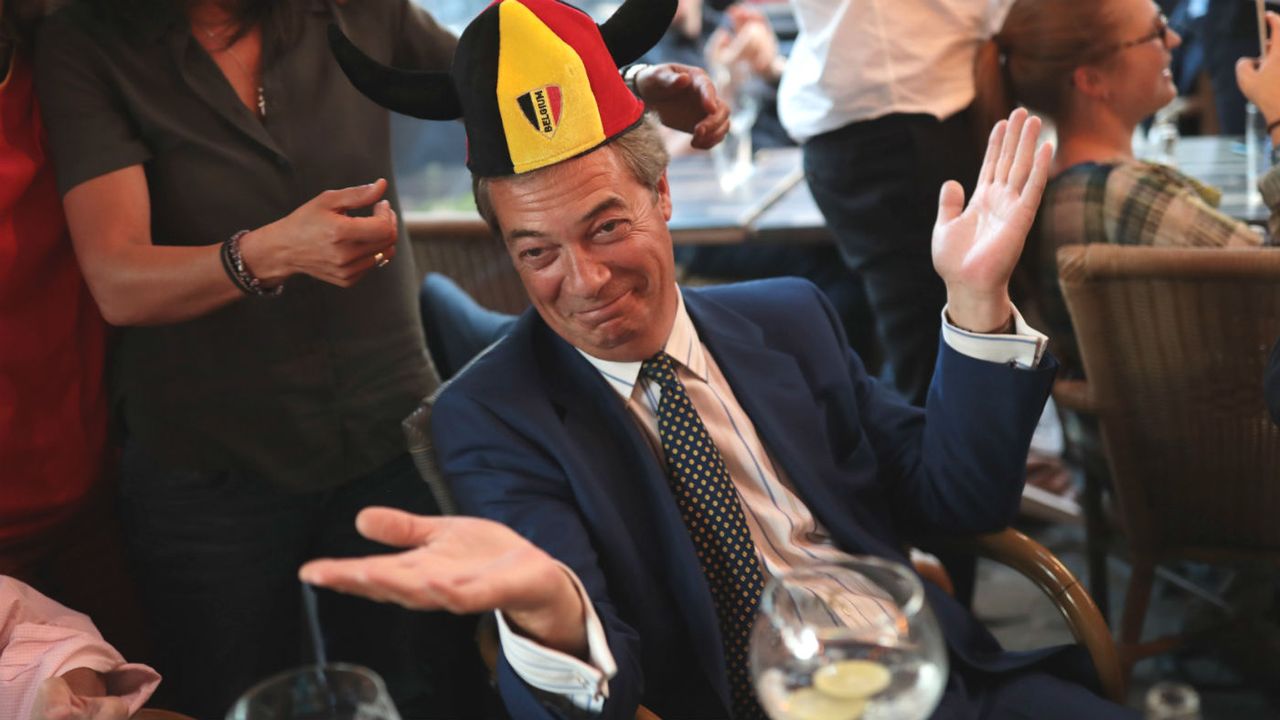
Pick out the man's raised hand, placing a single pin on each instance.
(976, 248)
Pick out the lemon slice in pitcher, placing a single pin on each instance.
(852, 679)
(812, 704)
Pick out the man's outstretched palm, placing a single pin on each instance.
(976, 248)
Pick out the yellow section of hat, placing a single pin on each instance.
(560, 118)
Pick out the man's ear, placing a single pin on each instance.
(664, 196)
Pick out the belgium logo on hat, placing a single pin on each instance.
(535, 81)
(541, 108)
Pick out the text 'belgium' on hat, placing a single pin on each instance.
(535, 81)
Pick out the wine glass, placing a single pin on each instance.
(317, 692)
(732, 156)
(847, 640)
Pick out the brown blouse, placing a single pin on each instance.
(306, 390)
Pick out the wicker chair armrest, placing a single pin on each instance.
(1033, 561)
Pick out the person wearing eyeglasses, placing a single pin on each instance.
(1098, 68)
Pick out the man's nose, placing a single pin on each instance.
(587, 275)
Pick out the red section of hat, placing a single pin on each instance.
(553, 97)
(619, 109)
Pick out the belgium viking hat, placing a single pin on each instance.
(535, 81)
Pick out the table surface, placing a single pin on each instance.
(1219, 161)
(774, 204)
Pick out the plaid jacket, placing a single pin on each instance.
(1130, 203)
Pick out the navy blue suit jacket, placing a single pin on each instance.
(532, 436)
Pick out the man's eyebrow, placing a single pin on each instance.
(525, 233)
(609, 203)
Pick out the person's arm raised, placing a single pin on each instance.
(976, 247)
(136, 282)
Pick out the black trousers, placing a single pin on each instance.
(218, 555)
(877, 183)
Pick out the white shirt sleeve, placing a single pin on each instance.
(585, 684)
(1023, 347)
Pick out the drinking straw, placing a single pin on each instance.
(313, 624)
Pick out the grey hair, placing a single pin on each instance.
(640, 148)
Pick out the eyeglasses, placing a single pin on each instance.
(1159, 32)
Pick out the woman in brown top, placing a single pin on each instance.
(261, 376)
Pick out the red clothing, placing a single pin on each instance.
(53, 410)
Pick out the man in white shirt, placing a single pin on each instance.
(876, 92)
(651, 454)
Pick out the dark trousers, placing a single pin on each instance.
(877, 185)
(218, 555)
(1031, 695)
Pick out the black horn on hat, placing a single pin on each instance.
(636, 27)
(426, 95)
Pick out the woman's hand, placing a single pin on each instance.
(752, 41)
(1259, 79)
(976, 248)
(319, 239)
(685, 99)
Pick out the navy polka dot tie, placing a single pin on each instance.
(709, 505)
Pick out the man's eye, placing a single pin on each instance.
(532, 253)
(611, 227)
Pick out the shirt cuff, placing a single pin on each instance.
(585, 684)
(1023, 348)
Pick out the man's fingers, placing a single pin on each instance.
(988, 172)
(366, 577)
(1009, 147)
(950, 202)
(1026, 154)
(1039, 178)
(397, 528)
(353, 198)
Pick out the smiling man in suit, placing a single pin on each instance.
(645, 456)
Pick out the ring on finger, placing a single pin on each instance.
(380, 259)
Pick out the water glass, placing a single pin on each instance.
(1257, 152)
(317, 692)
(732, 156)
(848, 640)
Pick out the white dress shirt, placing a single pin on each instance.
(785, 533)
(860, 59)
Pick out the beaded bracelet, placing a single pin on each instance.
(239, 273)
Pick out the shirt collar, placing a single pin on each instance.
(683, 346)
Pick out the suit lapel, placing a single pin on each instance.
(595, 416)
(770, 387)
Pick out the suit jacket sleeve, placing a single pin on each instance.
(958, 466)
(498, 474)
